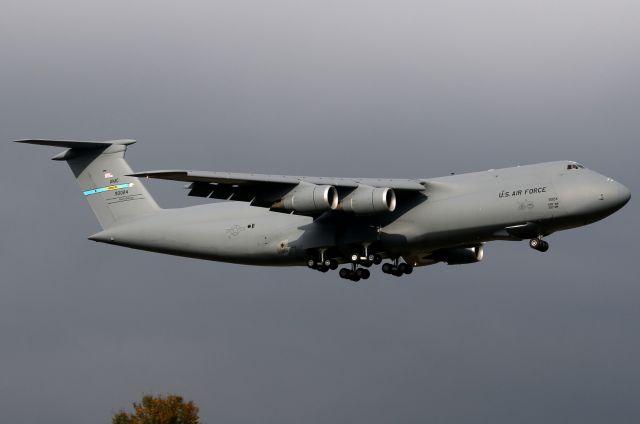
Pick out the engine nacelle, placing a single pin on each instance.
(366, 200)
(307, 198)
(460, 255)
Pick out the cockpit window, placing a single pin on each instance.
(574, 166)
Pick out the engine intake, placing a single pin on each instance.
(307, 198)
(366, 200)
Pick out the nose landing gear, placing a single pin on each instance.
(539, 244)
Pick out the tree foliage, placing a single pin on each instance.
(171, 409)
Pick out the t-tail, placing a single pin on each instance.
(102, 172)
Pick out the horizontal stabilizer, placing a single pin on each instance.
(68, 144)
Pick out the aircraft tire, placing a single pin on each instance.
(363, 273)
(402, 268)
(344, 273)
(409, 269)
(387, 268)
(539, 245)
(311, 264)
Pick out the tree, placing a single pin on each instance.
(160, 410)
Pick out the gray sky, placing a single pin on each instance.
(347, 88)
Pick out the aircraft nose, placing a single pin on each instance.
(593, 197)
(616, 195)
(624, 195)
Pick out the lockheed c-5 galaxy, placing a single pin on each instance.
(323, 222)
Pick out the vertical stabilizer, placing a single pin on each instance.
(101, 171)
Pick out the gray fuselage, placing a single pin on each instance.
(453, 211)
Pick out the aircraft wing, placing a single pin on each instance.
(272, 190)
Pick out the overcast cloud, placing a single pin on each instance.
(345, 88)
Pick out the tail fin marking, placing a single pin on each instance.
(102, 174)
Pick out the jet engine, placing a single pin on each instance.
(366, 200)
(459, 255)
(307, 198)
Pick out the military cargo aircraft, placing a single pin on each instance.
(323, 222)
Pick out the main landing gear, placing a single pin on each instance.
(397, 269)
(539, 244)
(355, 274)
(322, 264)
(365, 259)
(359, 262)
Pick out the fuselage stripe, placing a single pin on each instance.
(107, 188)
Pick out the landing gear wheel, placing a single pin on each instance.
(402, 268)
(374, 259)
(363, 273)
(392, 270)
(408, 268)
(539, 244)
(344, 273)
(311, 264)
(332, 264)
